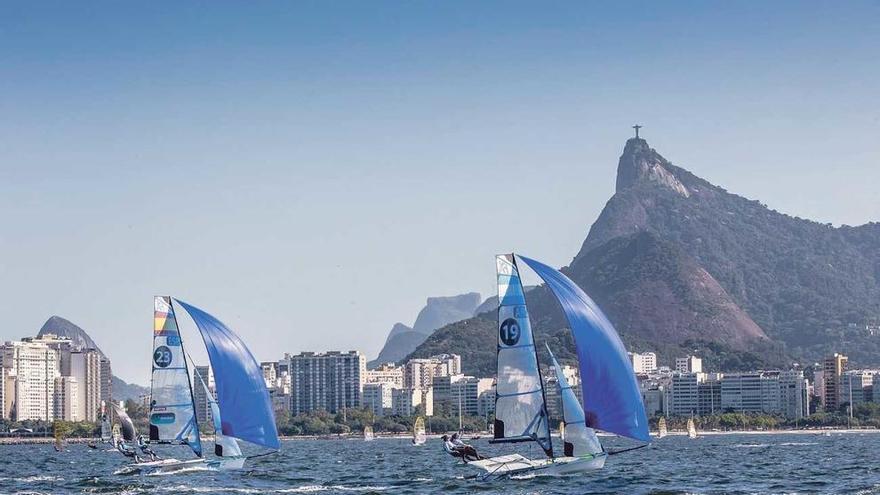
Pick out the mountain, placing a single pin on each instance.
(681, 265)
(438, 311)
(125, 391)
(61, 327)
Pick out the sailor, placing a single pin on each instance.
(127, 451)
(450, 448)
(146, 448)
(466, 450)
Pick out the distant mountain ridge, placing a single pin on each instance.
(62, 327)
(680, 265)
(437, 312)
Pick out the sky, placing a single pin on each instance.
(311, 172)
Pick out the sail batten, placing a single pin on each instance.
(172, 412)
(611, 398)
(520, 407)
(243, 400)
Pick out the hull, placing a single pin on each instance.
(162, 466)
(227, 463)
(515, 464)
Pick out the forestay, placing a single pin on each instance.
(578, 440)
(246, 410)
(520, 409)
(172, 413)
(612, 401)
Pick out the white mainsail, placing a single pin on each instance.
(224, 446)
(172, 411)
(692, 429)
(368, 433)
(419, 436)
(578, 440)
(661, 428)
(520, 408)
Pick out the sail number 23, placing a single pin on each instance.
(162, 357)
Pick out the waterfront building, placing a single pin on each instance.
(857, 387)
(66, 399)
(689, 364)
(771, 392)
(200, 396)
(378, 397)
(33, 367)
(486, 400)
(85, 368)
(407, 401)
(420, 373)
(832, 370)
(331, 381)
(386, 373)
(645, 362)
(270, 373)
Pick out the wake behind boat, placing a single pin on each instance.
(609, 387)
(242, 410)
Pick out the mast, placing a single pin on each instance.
(541, 382)
(192, 397)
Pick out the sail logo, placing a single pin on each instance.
(162, 357)
(509, 332)
(162, 418)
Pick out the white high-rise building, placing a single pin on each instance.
(66, 399)
(34, 368)
(642, 363)
(331, 381)
(386, 373)
(420, 373)
(406, 401)
(85, 368)
(378, 397)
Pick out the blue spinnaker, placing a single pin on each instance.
(612, 401)
(241, 391)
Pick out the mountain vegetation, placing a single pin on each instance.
(682, 266)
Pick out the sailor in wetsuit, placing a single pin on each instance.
(146, 448)
(127, 451)
(461, 450)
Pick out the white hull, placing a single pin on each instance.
(515, 464)
(161, 466)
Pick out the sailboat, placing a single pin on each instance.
(106, 425)
(692, 429)
(242, 411)
(59, 436)
(368, 434)
(419, 436)
(611, 394)
(661, 428)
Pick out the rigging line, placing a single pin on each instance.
(615, 452)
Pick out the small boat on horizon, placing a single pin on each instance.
(661, 428)
(419, 436)
(691, 428)
(368, 434)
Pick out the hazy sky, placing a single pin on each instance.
(311, 172)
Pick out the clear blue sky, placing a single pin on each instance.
(311, 172)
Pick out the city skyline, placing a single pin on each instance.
(313, 176)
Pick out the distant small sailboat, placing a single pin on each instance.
(59, 436)
(661, 428)
(106, 425)
(419, 436)
(692, 429)
(610, 391)
(241, 411)
(368, 434)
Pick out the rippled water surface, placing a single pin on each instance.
(841, 463)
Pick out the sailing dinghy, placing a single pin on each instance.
(692, 429)
(419, 436)
(661, 428)
(368, 434)
(242, 410)
(611, 395)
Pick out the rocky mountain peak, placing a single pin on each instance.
(641, 164)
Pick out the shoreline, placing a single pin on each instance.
(470, 437)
